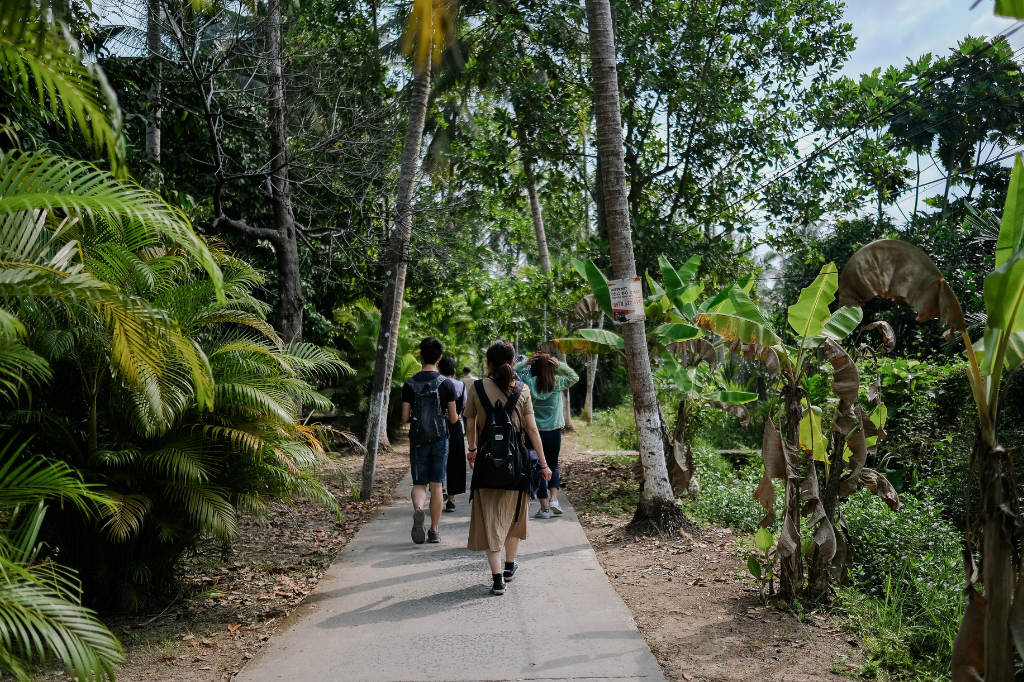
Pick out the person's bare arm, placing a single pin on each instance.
(530, 425)
(453, 415)
(471, 439)
(406, 413)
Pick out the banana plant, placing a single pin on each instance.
(733, 316)
(699, 384)
(665, 322)
(992, 624)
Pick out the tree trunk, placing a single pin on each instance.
(588, 405)
(657, 510)
(290, 301)
(997, 563)
(537, 215)
(154, 51)
(394, 289)
(791, 573)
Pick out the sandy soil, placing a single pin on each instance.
(234, 598)
(691, 596)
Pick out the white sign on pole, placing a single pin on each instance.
(627, 300)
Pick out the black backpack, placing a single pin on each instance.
(502, 460)
(427, 414)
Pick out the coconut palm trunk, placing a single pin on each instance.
(394, 289)
(290, 301)
(154, 51)
(657, 509)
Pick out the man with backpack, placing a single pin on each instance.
(428, 399)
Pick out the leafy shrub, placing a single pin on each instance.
(726, 492)
(909, 572)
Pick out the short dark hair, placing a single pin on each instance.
(446, 366)
(467, 370)
(431, 349)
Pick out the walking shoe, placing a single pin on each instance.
(433, 537)
(542, 514)
(418, 536)
(509, 574)
(555, 507)
(449, 506)
(498, 587)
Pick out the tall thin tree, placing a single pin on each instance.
(657, 507)
(154, 51)
(431, 24)
(290, 301)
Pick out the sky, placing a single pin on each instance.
(890, 31)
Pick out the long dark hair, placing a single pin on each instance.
(544, 370)
(500, 356)
(446, 366)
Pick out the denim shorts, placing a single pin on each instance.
(429, 462)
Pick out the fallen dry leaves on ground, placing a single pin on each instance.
(234, 598)
(691, 596)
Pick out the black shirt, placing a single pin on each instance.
(445, 391)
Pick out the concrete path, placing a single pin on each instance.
(392, 611)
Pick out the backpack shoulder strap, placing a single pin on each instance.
(510, 406)
(484, 400)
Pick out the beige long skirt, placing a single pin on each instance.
(492, 518)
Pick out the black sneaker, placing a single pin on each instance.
(509, 575)
(418, 535)
(433, 537)
(449, 506)
(498, 587)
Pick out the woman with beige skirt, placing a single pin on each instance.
(495, 522)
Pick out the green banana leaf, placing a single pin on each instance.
(603, 336)
(1013, 356)
(811, 438)
(656, 290)
(676, 331)
(688, 296)
(735, 327)
(840, 325)
(1010, 8)
(599, 285)
(808, 315)
(677, 281)
(1011, 228)
(732, 397)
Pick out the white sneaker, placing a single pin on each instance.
(555, 507)
(542, 514)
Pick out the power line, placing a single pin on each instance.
(836, 141)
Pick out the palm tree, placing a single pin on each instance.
(657, 508)
(428, 28)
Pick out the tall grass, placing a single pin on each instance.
(905, 601)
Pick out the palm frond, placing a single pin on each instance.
(35, 50)
(126, 515)
(31, 182)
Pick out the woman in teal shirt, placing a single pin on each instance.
(547, 379)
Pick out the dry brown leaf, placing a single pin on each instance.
(904, 273)
(969, 646)
(700, 350)
(680, 468)
(772, 451)
(880, 486)
(738, 411)
(770, 359)
(888, 335)
(789, 538)
(765, 494)
(586, 308)
(845, 377)
(875, 391)
(234, 627)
